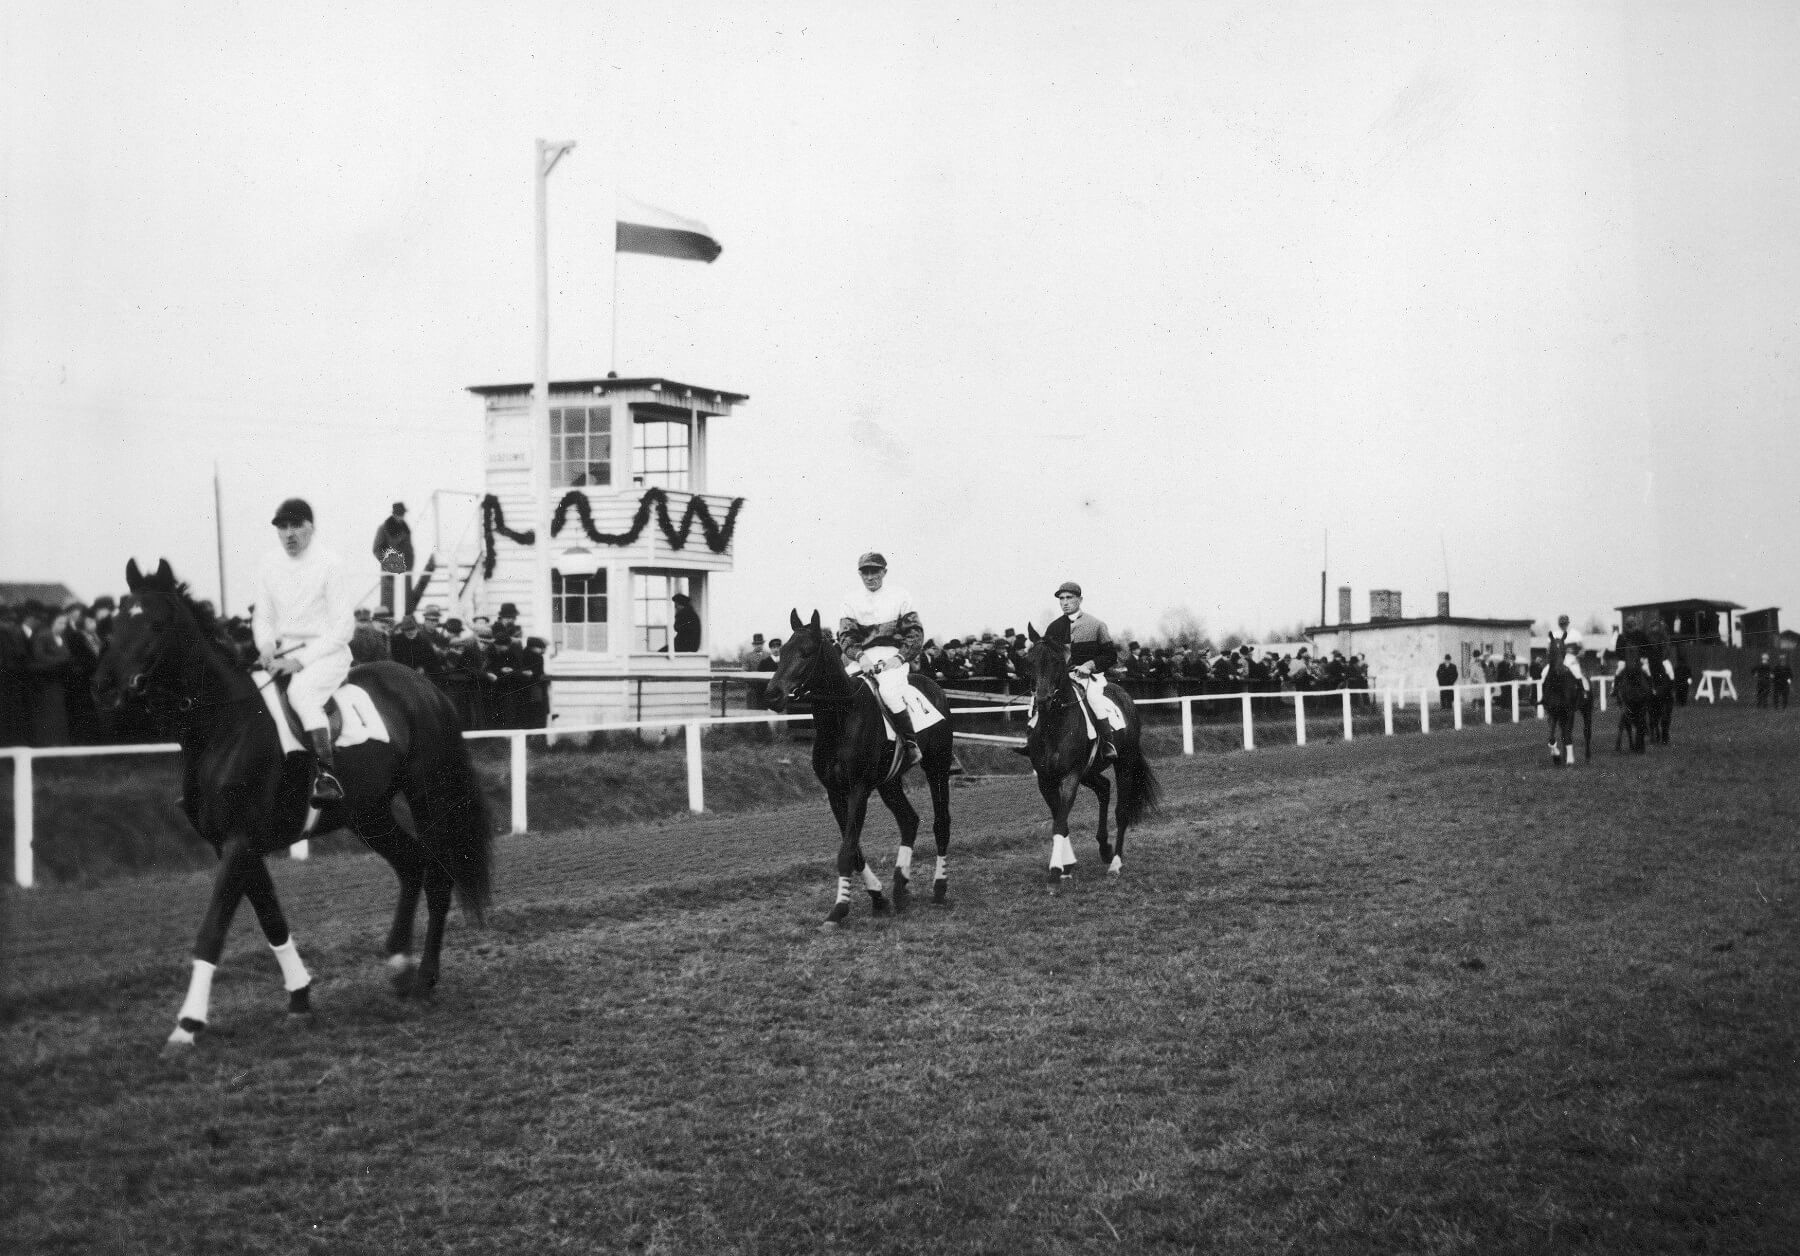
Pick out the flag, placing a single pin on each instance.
(646, 229)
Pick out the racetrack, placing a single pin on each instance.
(1418, 993)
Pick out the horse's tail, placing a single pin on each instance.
(1140, 793)
(466, 831)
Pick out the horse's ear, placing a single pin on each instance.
(133, 577)
(815, 620)
(165, 575)
(1031, 631)
(794, 619)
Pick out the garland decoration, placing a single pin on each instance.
(718, 535)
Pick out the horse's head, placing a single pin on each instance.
(1047, 662)
(807, 656)
(150, 639)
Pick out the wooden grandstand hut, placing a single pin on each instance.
(632, 524)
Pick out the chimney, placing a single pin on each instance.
(1343, 604)
(1443, 606)
(1384, 604)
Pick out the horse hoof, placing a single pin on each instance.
(1116, 867)
(179, 1043)
(901, 895)
(940, 890)
(839, 913)
(878, 904)
(300, 1001)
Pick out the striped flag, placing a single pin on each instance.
(646, 229)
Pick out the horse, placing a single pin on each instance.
(853, 758)
(1066, 755)
(1636, 697)
(249, 800)
(1562, 695)
(1662, 705)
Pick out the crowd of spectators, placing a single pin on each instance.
(489, 669)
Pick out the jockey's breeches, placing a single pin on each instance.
(1094, 686)
(892, 683)
(313, 684)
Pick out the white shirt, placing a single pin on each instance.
(306, 601)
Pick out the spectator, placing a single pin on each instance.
(394, 539)
(83, 644)
(462, 666)
(367, 642)
(49, 667)
(1783, 681)
(103, 610)
(15, 680)
(535, 712)
(687, 625)
(410, 648)
(1446, 676)
(1765, 676)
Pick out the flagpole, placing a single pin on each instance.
(219, 534)
(549, 152)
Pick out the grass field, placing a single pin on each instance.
(1417, 994)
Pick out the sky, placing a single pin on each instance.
(1185, 301)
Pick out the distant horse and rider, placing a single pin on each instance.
(1081, 726)
(856, 753)
(250, 788)
(1563, 692)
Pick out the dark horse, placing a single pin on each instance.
(1636, 696)
(1561, 695)
(853, 758)
(1066, 756)
(249, 800)
(1662, 682)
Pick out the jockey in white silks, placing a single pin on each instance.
(880, 634)
(1091, 654)
(305, 613)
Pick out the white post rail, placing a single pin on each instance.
(1456, 708)
(24, 758)
(1487, 704)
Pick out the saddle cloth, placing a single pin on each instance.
(353, 715)
(924, 715)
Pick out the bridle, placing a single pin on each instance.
(145, 684)
(804, 686)
(1062, 693)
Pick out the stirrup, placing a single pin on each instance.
(326, 787)
(914, 756)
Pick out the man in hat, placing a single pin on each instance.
(1091, 654)
(394, 536)
(687, 624)
(305, 613)
(880, 634)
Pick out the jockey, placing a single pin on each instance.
(880, 634)
(1568, 644)
(1091, 653)
(305, 613)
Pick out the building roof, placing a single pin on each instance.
(1376, 624)
(1682, 604)
(648, 383)
(19, 594)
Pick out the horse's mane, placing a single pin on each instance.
(207, 620)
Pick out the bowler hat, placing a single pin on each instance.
(871, 559)
(293, 510)
(453, 625)
(508, 610)
(104, 602)
(1068, 586)
(399, 508)
(535, 643)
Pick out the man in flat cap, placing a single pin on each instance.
(880, 633)
(1091, 654)
(305, 613)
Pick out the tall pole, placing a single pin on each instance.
(219, 535)
(549, 152)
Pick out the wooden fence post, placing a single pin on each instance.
(1249, 723)
(696, 786)
(22, 817)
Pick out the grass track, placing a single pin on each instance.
(1418, 994)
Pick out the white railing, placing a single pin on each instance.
(23, 757)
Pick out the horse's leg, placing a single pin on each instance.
(939, 783)
(259, 888)
(851, 808)
(894, 795)
(209, 941)
(1101, 784)
(386, 838)
(1059, 794)
(438, 888)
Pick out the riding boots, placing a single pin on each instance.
(326, 787)
(1108, 751)
(904, 726)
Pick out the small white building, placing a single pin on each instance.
(1405, 653)
(633, 524)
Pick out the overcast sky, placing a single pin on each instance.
(1503, 297)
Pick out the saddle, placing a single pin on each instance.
(351, 714)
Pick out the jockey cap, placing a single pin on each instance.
(871, 561)
(292, 511)
(1068, 586)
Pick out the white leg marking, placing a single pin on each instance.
(199, 995)
(1062, 851)
(943, 868)
(871, 882)
(903, 860)
(843, 890)
(293, 973)
(402, 962)
(1117, 865)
